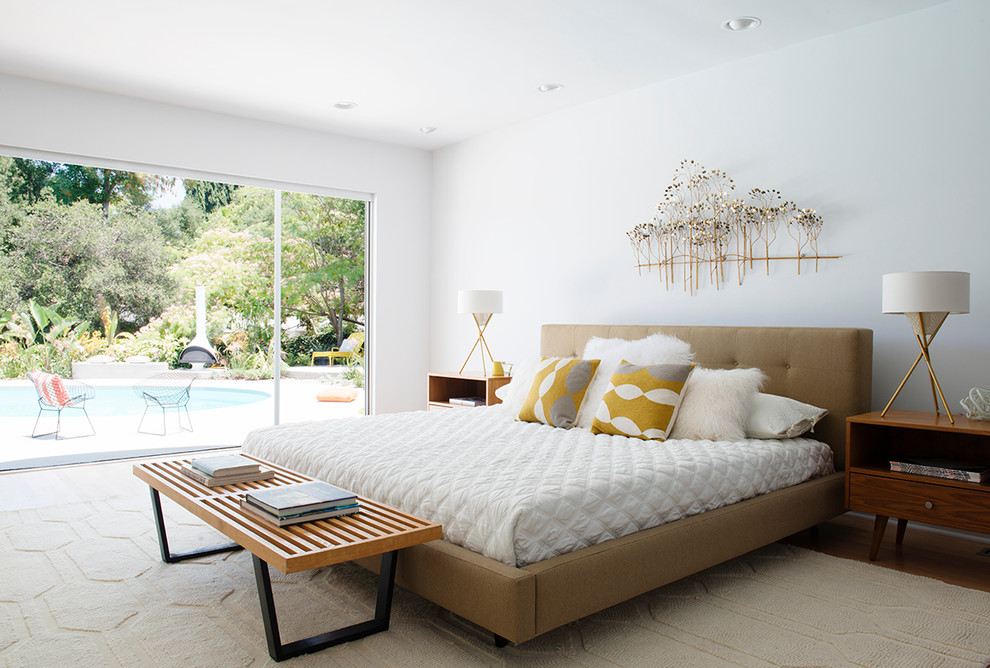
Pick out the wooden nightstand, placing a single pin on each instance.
(873, 441)
(444, 386)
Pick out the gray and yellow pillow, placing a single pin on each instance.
(557, 391)
(642, 401)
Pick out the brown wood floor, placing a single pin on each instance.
(927, 551)
(947, 556)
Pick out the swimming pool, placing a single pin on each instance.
(120, 400)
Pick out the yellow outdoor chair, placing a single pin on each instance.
(349, 350)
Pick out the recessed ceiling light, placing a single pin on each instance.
(427, 129)
(741, 24)
(346, 105)
(550, 87)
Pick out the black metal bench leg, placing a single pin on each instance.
(170, 558)
(280, 652)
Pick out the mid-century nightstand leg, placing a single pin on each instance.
(901, 527)
(879, 525)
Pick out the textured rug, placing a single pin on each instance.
(82, 585)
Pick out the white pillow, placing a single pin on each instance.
(513, 393)
(648, 351)
(717, 404)
(781, 417)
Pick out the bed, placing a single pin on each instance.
(521, 585)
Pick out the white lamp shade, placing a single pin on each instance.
(479, 301)
(926, 292)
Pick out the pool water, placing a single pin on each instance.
(116, 401)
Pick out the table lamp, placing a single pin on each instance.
(926, 298)
(482, 304)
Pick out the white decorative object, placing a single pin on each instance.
(977, 404)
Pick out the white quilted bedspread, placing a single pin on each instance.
(522, 492)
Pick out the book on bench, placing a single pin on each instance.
(289, 500)
(311, 516)
(228, 479)
(222, 465)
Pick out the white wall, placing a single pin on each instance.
(110, 130)
(882, 129)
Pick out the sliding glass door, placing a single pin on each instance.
(110, 278)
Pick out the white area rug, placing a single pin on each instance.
(82, 585)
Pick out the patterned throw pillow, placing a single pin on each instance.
(557, 391)
(642, 401)
(52, 388)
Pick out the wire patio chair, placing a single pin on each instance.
(58, 394)
(164, 391)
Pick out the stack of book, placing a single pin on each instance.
(949, 469)
(225, 470)
(467, 401)
(301, 502)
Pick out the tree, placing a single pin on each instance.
(324, 262)
(180, 224)
(71, 258)
(208, 194)
(232, 258)
(28, 179)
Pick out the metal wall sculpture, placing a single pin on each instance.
(699, 229)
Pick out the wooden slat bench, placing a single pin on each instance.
(376, 530)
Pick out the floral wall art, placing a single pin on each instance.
(699, 230)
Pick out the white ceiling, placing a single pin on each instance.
(462, 66)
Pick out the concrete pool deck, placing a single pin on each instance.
(214, 427)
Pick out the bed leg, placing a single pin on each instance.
(499, 640)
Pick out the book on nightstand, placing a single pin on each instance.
(948, 469)
(466, 401)
(228, 479)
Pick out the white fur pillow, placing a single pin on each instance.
(717, 404)
(648, 351)
(513, 393)
(781, 417)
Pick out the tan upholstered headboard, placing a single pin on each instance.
(827, 367)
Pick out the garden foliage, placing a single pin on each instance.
(89, 267)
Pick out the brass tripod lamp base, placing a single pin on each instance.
(918, 322)
(480, 342)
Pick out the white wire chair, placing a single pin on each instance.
(58, 394)
(166, 390)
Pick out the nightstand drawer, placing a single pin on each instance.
(937, 504)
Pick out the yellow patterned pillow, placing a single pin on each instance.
(642, 401)
(557, 391)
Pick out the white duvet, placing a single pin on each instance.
(522, 492)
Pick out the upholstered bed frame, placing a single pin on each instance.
(831, 368)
